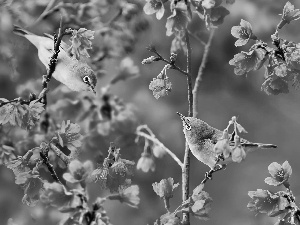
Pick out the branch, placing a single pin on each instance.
(48, 11)
(44, 156)
(186, 161)
(156, 141)
(173, 65)
(52, 65)
(218, 167)
(200, 72)
(152, 138)
(196, 38)
(60, 154)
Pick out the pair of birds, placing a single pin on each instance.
(79, 76)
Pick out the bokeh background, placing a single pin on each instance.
(268, 119)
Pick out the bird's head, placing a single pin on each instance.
(195, 129)
(88, 77)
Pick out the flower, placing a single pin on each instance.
(264, 201)
(165, 188)
(79, 172)
(279, 174)
(155, 6)
(130, 196)
(146, 163)
(56, 195)
(238, 152)
(243, 33)
(222, 146)
(158, 151)
(289, 14)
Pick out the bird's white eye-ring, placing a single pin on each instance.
(86, 79)
(188, 127)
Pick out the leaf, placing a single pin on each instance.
(12, 113)
(179, 19)
(170, 219)
(81, 41)
(154, 6)
(201, 203)
(244, 62)
(160, 87)
(217, 15)
(34, 110)
(179, 43)
(69, 135)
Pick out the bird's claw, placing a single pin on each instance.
(208, 175)
(219, 167)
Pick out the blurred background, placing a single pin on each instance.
(268, 119)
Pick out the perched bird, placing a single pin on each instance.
(75, 74)
(202, 138)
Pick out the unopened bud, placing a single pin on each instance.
(150, 60)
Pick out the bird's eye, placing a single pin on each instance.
(188, 126)
(86, 79)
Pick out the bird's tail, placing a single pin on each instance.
(20, 31)
(250, 147)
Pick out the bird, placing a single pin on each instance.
(75, 74)
(202, 138)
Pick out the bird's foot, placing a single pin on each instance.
(208, 175)
(219, 167)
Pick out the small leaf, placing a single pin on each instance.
(34, 110)
(12, 113)
(217, 15)
(179, 19)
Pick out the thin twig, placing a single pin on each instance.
(196, 38)
(173, 66)
(200, 72)
(186, 161)
(156, 141)
(44, 156)
(48, 11)
(218, 167)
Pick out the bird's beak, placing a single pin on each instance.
(92, 89)
(182, 117)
